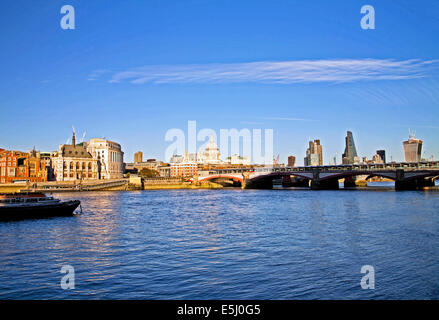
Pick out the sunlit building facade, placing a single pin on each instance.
(412, 149)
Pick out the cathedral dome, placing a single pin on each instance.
(211, 153)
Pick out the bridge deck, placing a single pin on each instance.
(420, 166)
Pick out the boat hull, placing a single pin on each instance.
(66, 208)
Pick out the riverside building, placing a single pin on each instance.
(17, 166)
(109, 156)
(74, 162)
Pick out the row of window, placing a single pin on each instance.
(78, 165)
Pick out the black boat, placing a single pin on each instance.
(33, 205)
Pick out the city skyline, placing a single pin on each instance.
(131, 80)
(349, 141)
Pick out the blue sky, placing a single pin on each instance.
(131, 70)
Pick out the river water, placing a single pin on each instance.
(229, 244)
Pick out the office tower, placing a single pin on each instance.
(314, 154)
(350, 152)
(382, 154)
(291, 161)
(138, 157)
(412, 148)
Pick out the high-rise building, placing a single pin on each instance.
(291, 161)
(350, 152)
(314, 154)
(412, 148)
(382, 154)
(138, 157)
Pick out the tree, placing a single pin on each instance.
(147, 173)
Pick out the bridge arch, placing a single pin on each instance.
(276, 175)
(220, 176)
(342, 175)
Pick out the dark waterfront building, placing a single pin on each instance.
(350, 152)
(382, 154)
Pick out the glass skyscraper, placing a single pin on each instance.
(350, 152)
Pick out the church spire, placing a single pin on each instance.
(73, 138)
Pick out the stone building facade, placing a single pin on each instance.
(74, 162)
(109, 155)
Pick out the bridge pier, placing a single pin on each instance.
(258, 184)
(411, 184)
(329, 184)
(414, 184)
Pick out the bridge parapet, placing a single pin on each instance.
(432, 165)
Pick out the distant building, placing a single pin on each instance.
(184, 169)
(238, 160)
(350, 152)
(138, 157)
(382, 154)
(74, 162)
(291, 161)
(211, 154)
(151, 164)
(109, 155)
(412, 148)
(164, 171)
(377, 159)
(176, 159)
(314, 154)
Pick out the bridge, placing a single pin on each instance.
(407, 176)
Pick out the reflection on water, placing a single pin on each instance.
(229, 244)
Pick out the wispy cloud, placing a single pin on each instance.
(96, 74)
(299, 71)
